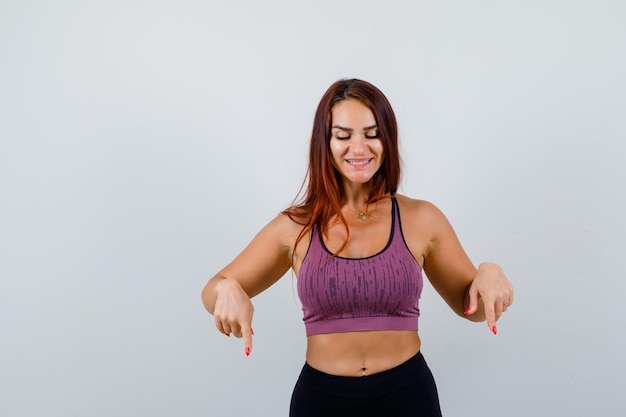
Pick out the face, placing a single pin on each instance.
(355, 144)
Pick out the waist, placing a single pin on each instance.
(361, 353)
(366, 388)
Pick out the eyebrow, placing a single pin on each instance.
(347, 129)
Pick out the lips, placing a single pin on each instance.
(359, 162)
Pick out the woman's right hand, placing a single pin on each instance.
(233, 312)
(266, 258)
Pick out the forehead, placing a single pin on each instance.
(352, 113)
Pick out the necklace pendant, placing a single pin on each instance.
(362, 216)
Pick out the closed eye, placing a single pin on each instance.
(345, 133)
(372, 134)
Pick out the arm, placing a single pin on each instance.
(474, 294)
(227, 295)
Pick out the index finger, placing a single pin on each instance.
(247, 339)
(490, 313)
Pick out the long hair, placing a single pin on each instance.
(323, 198)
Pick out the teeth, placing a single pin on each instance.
(359, 162)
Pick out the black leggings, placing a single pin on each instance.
(407, 390)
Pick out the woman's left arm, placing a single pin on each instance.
(474, 294)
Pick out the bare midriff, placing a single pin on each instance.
(361, 353)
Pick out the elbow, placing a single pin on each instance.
(475, 314)
(208, 295)
(204, 295)
(476, 317)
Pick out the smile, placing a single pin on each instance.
(359, 162)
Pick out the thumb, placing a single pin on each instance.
(473, 301)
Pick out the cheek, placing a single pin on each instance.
(379, 149)
(381, 153)
(336, 150)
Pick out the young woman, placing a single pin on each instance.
(358, 250)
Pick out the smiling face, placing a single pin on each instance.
(355, 144)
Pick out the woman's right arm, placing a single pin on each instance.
(227, 295)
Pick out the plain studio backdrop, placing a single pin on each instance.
(144, 143)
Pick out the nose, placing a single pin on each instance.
(358, 144)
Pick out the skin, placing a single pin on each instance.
(475, 294)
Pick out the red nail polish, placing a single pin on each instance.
(494, 330)
(227, 334)
(247, 351)
(252, 331)
(468, 310)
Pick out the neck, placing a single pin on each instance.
(357, 197)
(356, 201)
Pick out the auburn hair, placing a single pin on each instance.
(323, 197)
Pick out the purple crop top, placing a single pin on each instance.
(380, 292)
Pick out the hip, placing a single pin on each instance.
(405, 390)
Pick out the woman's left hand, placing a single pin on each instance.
(492, 287)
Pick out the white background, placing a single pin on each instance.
(144, 143)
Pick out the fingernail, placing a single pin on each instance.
(252, 331)
(494, 329)
(227, 334)
(468, 310)
(247, 351)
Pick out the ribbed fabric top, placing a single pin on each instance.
(380, 292)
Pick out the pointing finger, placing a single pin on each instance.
(247, 340)
(490, 313)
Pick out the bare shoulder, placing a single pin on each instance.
(415, 210)
(284, 227)
(420, 221)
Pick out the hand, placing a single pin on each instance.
(496, 292)
(233, 312)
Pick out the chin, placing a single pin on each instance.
(361, 179)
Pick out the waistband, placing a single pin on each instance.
(378, 384)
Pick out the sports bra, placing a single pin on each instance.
(379, 292)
